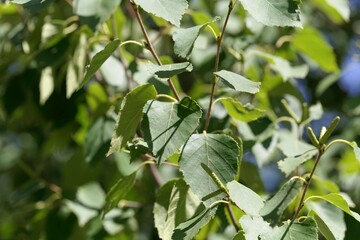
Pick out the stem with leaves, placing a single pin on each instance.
(150, 46)
(217, 60)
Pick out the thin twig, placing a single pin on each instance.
(217, 60)
(307, 184)
(232, 217)
(150, 45)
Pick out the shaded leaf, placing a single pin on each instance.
(170, 10)
(188, 229)
(238, 82)
(33, 6)
(99, 59)
(245, 198)
(310, 42)
(337, 10)
(83, 214)
(274, 12)
(290, 164)
(98, 138)
(130, 115)
(185, 38)
(164, 72)
(338, 201)
(274, 207)
(174, 205)
(244, 113)
(219, 154)
(167, 126)
(306, 229)
(118, 192)
(91, 195)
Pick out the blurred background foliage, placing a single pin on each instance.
(53, 138)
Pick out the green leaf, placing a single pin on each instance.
(254, 226)
(283, 66)
(338, 201)
(238, 82)
(130, 115)
(185, 38)
(167, 126)
(164, 72)
(290, 164)
(220, 154)
(187, 230)
(93, 12)
(274, 207)
(306, 229)
(245, 198)
(99, 59)
(118, 192)
(33, 6)
(244, 113)
(83, 214)
(46, 85)
(98, 138)
(274, 12)
(91, 195)
(356, 150)
(175, 203)
(170, 10)
(311, 43)
(338, 11)
(329, 219)
(291, 146)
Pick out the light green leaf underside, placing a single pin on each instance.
(118, 191)
(245, 198)
(274, 12)
(219, 153)
(164, 72)
(306, 229)
(283, 66)
(184, 39)
(329, 219)
(238, 82)
(240, 112)
(337, 200)
(356, 150)
(98, 60)
(170, 10)
(83, 214)
(167, 126)
(310, 42)
(337, 10)
(290, 164)
(175, 203)
(274, 207)
(187, 230)
(254, 226)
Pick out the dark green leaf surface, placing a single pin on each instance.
(274, 12)
(274, 207)
(306, 229)
(119, 191)
(99, 59)
(164, 72)
(238, 82)
(130, 115)
(167, 126)
(170, 10)
(188, 229)
(175, 203)
(220, 154)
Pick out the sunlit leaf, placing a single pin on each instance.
(164, 72)
(238, 82)
(167, 126)
(274, 12)
(290, 164)
(244, 113)
(170, 10)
